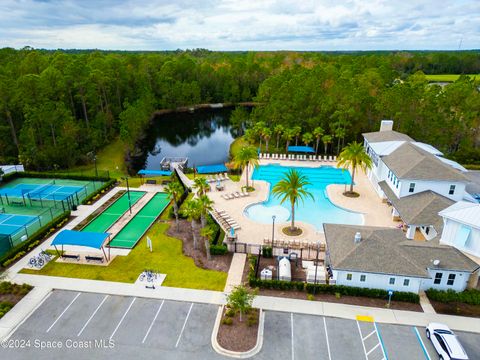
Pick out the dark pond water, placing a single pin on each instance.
(203, 136)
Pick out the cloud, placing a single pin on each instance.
(240, 25)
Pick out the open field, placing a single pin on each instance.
(448, 77)
(166, 258)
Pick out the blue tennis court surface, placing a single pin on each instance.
(48, 191)
(10, 224)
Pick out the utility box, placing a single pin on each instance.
(266, 274)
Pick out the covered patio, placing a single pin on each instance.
(82, 239)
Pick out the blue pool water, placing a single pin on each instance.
(316, 212)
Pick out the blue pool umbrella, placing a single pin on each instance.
(232, 232)
(218, 183)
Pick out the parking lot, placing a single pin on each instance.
(70, 325)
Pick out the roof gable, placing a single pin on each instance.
(390, 135)
(411, 162)
(463, 212)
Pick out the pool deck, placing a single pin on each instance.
(375, 212)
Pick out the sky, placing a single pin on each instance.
(241, 25)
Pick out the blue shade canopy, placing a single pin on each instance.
(211, 169)
(304, 149)
(80, 238)
(155, 172)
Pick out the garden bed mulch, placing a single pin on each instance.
(11, 294)
(456, 308)
(350, 300)
(239, 336)
(184, 233)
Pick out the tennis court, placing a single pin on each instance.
(16, 228)
(38, 192)
(114, 212)
(140, 223)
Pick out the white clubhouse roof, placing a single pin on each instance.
(384, 148)
(463, 212)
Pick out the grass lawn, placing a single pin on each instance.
(448, 77)
(166, 258)
(110, 158)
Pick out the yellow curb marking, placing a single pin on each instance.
(365, 318)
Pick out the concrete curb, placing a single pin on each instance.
(22, 311)
(235, 354)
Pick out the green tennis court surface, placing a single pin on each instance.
(140, 223)
(114, 212)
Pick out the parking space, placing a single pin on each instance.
(294, 336)
(71, 325)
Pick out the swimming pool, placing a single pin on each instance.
(316, 212)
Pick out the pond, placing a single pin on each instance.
(203, 136)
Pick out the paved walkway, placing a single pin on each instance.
(425, 303)
(235, 272)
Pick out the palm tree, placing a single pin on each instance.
(207, 233)
(201, 185)
(267, 134)
(175, 190)
(278, 130)
(326, 139)
(258, 129)
(292, 188)
(352, 156)
(245, 157)
(296, 132)
(191, 209)
(318, 133)
(288, 136)
(307, 138)
(205, 204)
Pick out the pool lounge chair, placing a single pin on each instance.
(334, 158)
(225, 196)
(236, 194)
(225, 175)
(245, 193)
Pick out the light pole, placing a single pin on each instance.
(273, 228)
(316, 269)
(128, 194)
(95, 163)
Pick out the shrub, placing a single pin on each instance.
(218, 249)
(252, 320)
(470, 296)
(310, 297)
(267, 252)
(96, 194)
(230, 313)
(227, 321)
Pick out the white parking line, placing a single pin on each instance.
(376, 346)
(361, 337)
(151, 325)
(293, 343)
(123, 318)
(366, 337)
(326, 336)
(183, 327)
(91, 317)
(63, 312)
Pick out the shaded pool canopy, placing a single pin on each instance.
(304, 149)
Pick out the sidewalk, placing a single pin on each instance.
(235, 272)
(344, 311)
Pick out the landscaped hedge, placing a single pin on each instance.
(104, 188)
(44, 232)
(218, 249)
(470, 296)
(326, 289)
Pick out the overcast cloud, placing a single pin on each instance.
(241, 25)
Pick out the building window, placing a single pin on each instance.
(406, 282)
(438, 278)
(427, 230)
(398, 183)
(392, 281)
(451, 279)
(452, 190)
(363, 278)
(412, 187)
(349, 277)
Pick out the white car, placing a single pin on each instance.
(445, 342)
